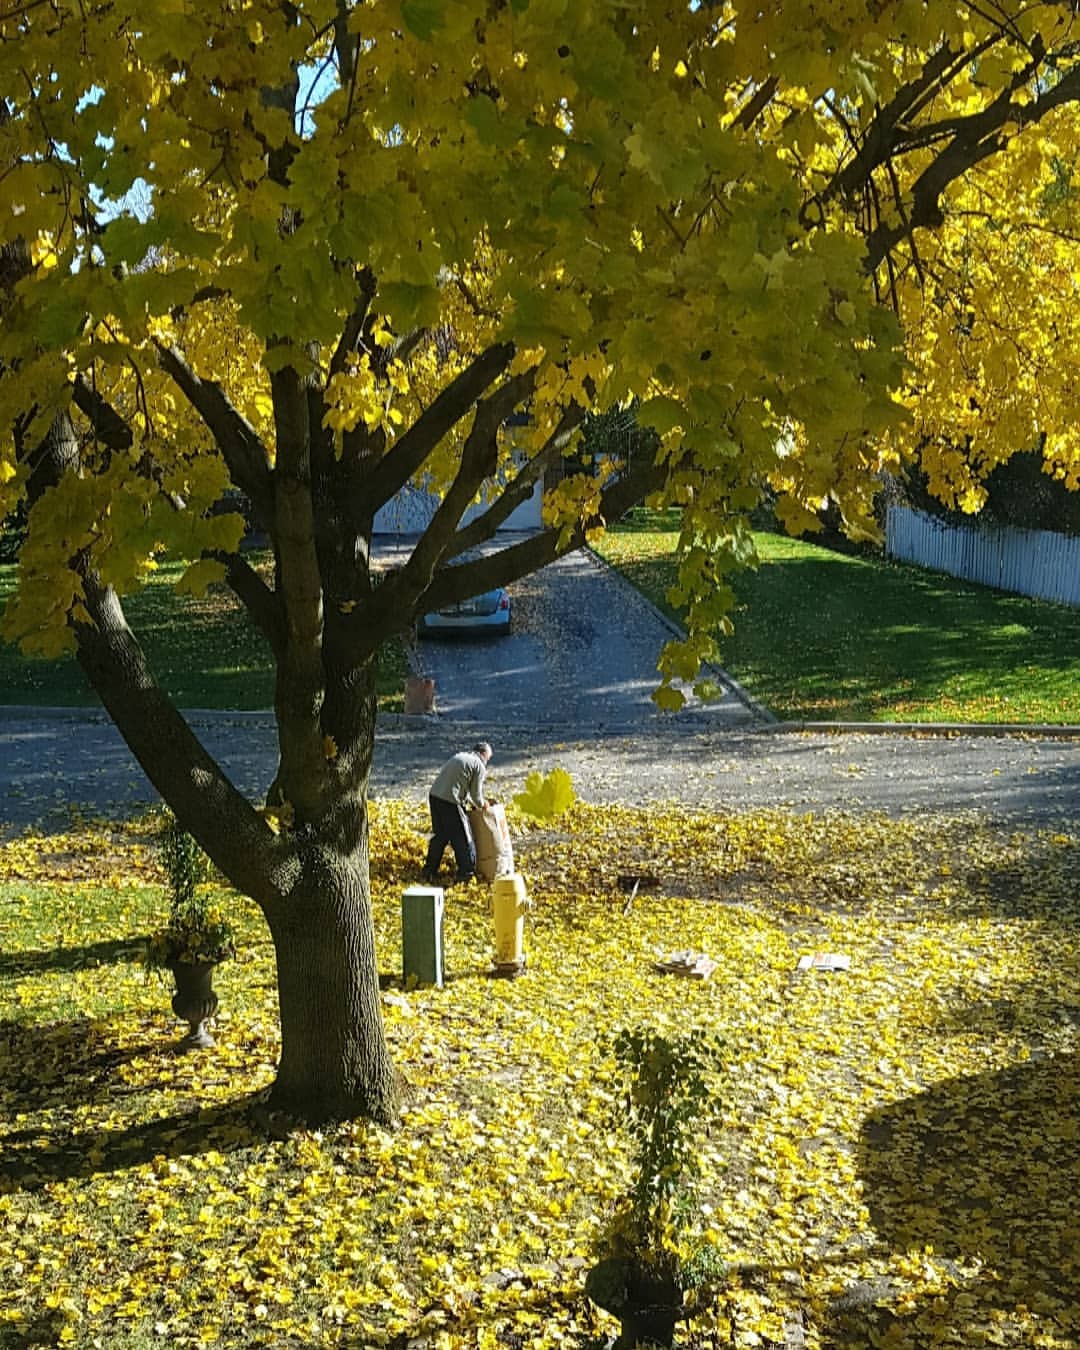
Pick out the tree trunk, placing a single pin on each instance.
(334, 1060)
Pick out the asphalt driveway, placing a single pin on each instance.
(581, 655)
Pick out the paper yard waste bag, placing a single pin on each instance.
(494, 851)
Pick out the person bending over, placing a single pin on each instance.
(458, 785)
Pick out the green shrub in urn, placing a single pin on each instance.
(197, 931)
(650, 1272)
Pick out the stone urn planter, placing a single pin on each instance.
(194, 1001)
(648, 1302)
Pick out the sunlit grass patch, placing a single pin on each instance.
(821, 636)
(204, 650)
(894, 1162)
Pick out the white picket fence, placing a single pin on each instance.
(1026, 562)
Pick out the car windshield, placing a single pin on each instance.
(487, 602)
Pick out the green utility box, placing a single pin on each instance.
(422, 935)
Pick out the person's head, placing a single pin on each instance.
(482, 749)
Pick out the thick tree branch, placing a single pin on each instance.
(978, 137)
(354, 324)
(463, 580)
(960, 62)
(520, 488)
(762, 97)
(479, 458)
(893, 130)
(236, 438)
(408, 454)
(401, 349)
(972, 125)
(205, 802)
(203, 295)
(114, 433)
(260, 601)
(346, 44)
(107, 424)
(301, 678)
(878, 141)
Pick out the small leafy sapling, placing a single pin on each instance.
(197, 931)
(664, 1101)
(647, 1263)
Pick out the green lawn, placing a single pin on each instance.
(205, 652)
(823, 636)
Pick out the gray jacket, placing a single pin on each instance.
(461, 780)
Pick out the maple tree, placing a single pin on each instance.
(316, 251)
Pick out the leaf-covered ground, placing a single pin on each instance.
(895, 1162)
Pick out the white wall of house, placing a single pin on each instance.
(411, 510)
(523, 517)
(408, 513)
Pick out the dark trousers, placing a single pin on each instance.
(450, 825)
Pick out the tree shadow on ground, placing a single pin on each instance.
(60, 1067)
(543, 1307)
(1041, 882)
(1023, 1012)
(44, 1331)
(60, 1063)
(983, 1168)
(20, 965)
(233, 1125)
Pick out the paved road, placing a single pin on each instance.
(48, 763)
(571, 687)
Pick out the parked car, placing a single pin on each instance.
(486, 615)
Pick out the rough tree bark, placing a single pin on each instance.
(334, 1061)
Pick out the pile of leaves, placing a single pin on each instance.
(893, 1161)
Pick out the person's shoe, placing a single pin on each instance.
(463, 878)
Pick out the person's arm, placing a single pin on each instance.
(476, 785)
